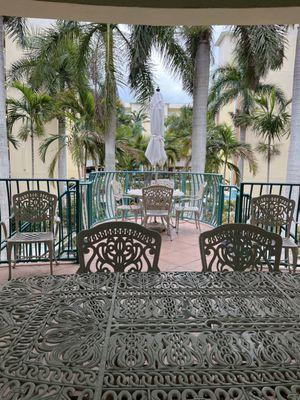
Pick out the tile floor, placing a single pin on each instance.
(180, 254)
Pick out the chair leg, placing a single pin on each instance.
(135, 217)
(286, 257)
(16, 251)
(177, 217)
(50, 247)
(9, 250)
(123, 215)
(169, 227)
(197, 218)
(145, 221)
(295, 258)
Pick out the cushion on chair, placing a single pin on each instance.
(126, 207)
(186, 208)
(288, 242)
(157, 213)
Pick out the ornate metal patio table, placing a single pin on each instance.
(168, 336)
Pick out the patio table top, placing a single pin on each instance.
(151, 336)
(138, 193)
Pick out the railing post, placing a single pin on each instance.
(78, 212)
(89, 203)
(240, 204)
(221, 205)
(126, 181)
(183, 182)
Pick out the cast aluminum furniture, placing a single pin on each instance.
(275, 213)
(151, 336)
(118, 247)
(37, 210)
(138, 193)
(157, 203)
(163, 182)
(191, 205)
(123, 202)
(240, 247)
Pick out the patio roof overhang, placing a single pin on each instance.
(159, 12)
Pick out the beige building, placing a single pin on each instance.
(284, 79)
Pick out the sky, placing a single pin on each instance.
(170, 86)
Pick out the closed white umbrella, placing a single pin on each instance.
(155, 152)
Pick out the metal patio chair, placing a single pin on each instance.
(157, 203)
(275, 213)
(239, 247)
(124, 203)
(190, 205)
(118, 247)
(34, 210)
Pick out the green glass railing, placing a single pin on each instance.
(82, 204)
(102, 204)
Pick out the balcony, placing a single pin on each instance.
(83, 204)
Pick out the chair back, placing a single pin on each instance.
(117, 189)
(201, 191)
(239, 247)
(197, 200)
(34, 207)
(273, 213)
(163, 182)
(158, 198)
(118, 247)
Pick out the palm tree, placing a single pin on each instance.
(271, 122)
(231, 84)
(198, 41)
(293, 165)
(258, 49)
(15, 28)
(33, 110)
(186, 52)
(50, 65)
(223, 146)
(178, 133)
(85, 140)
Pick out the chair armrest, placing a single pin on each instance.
(4, 228)
(190, 198)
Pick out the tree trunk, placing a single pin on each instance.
(4, 155)
(241, 160)
(293, 165)
(200, 95)
(62, 158)
(111, 107)
(110, 142)
(268, 159)
(225, 165)
(32, 156)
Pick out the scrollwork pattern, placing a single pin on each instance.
(240, 247)
(118, 247)
(150, 336)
